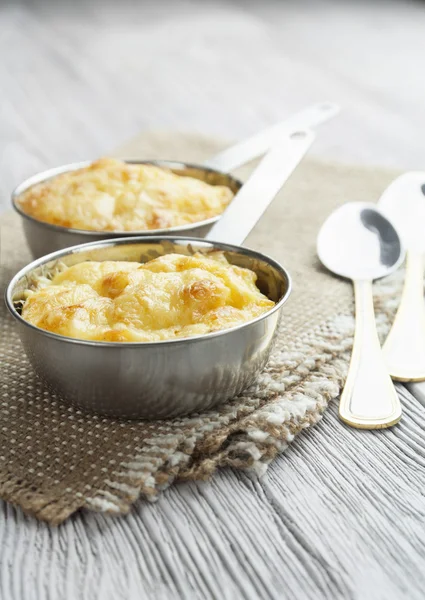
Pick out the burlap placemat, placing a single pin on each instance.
(55, 459)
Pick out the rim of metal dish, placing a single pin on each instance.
(142, 240)
(55, 171)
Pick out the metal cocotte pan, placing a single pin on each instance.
(172, 377)
(44, 238)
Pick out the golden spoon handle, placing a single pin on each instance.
(404, 348)
(369, 399)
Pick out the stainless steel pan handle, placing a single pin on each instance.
(258, 192)
(255, 146)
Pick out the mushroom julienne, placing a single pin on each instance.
(173, 296)
(112, 195)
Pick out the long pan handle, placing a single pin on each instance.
(261, 188)
(255, 146)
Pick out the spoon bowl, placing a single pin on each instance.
(358, 242)
(403, 203)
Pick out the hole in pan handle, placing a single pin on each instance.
(243, 152)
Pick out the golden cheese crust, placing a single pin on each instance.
(173, 296)
(111, 195)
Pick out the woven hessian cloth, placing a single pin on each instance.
(55, 460)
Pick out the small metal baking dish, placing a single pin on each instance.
(160, 379)
(43, 237)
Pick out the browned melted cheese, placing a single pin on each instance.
(173, 296)
(111, 195)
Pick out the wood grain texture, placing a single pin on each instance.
(341, 514)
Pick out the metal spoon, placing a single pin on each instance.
(359, 243)
(403, 202)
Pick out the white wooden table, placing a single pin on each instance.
(340, 515)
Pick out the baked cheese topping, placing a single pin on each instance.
(111, 195)
(173, 296)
